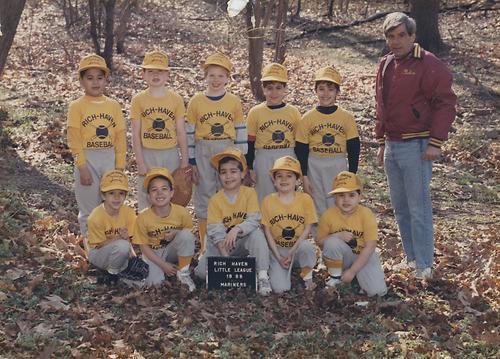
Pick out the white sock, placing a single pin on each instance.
(184, 269)
(335, 272)
(263, 274)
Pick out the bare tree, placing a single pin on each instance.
(425, 13)
(126, 8)
(10, 14)
(255, 31)
(70, 11)
(96, 9)
(279, 38)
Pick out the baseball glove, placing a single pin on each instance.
(183, 188)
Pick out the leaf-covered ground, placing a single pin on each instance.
(50, 303)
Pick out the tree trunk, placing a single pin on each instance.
(425, 13)
(121, 30)
(93, 26)
(10, 14)
(279, 39)
(109, 36)
(330, 8)
(255, 33)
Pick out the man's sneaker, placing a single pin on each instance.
(333, 281)
(405, 265)
(264, 286)
(424, 273)
(185, 279)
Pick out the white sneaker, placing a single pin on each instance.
(332, 282)
(424, 273)
(412, 264)
(185, 279)
(264, 286)
(310, 285)
(405, 265)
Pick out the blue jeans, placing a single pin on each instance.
(409, 177)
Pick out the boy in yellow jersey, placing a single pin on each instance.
(271, 128)
(347, 234)
(326, 135)
(214, 122)
(287, 217)
(233, 219)
(96, 136)
(158, 131)
(110, 226)
(163, 232)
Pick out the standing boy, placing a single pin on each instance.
(110, 227)
(415, 109)
(158, 131)
(326, 135)
(347, 235)
(96, 136)
(215, 121)
(234, 219)
(163, 232)
(287, 217)
(271, 128)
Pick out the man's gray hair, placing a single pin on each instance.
(397, 18)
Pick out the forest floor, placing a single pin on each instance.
(50, 303)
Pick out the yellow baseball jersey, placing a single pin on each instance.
(287, 220)
(214, 120)
(102, 226)
(220, 210)
(273, 128)
(362, 224)
(150, 228)
(158, 117)
(96, 123)
(326, 134)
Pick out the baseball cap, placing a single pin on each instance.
(157, 172)
(328, 73)
(155, 60)
(286, 163)
(219, 59)
(274, 72)
(232, 152)
(93, 61)
(345, 182)
(114, 180)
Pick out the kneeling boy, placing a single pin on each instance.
(347, 234)
(110, 226)
(233, 223)
(163, 232)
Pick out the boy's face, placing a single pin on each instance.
(155, 78)
(217, 79)
(285, 181)
(327, 94)
(114, 199)
(347, 202)
(274, 93)
(160, 193)
(230, 175)
(93, 82)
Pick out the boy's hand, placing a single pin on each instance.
(345, 236)
(169, 268)
(85, 176)
(380, 155)
(347, 276)
(284, 261)
(247, 180)
(253, 176)
(230, 239)
(142, 169)
(308, 188)
(123, 234)
(188, 171)
(194, 175)
(169, 235)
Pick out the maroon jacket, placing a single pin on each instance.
(420, 102)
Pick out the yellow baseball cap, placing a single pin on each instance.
(218, 59)
(93, 61)
(232, 152)
(157, 172)
(345, 182)
(329, 74)
(274, 72)
(155, 60)
(287, 163)
(114, 180)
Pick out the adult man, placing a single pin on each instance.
(415, 109)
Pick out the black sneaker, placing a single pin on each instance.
(136, 269)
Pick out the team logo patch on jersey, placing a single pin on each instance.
(158, 124)
(278, 136)
(328, 139)
(288, 233)
(101, 132)
(217, 129)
